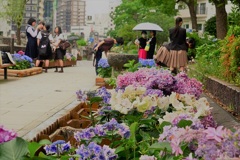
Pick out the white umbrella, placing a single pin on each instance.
(147, 27)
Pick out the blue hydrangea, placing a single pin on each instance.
(58, 147)
(103, 63)
(147, 62)
(96, 152)
(103, 92)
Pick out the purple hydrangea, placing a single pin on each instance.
(163, 80)
(102, 112)
(102, 130)
(81, 96)
(96, 152)
(103, 63)
(103, 92)
(208, 121)
(6, 135)
(58, 147)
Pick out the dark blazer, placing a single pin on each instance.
(178, 42)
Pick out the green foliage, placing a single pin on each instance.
(20, 65)
(112, 82)
(210, 26)
(81, 42)
(129, 14)
(233, 17)
(15, 149)
(105, 72)
(131, 66)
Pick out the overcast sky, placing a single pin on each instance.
(97, 6)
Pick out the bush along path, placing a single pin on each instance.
(150, 115)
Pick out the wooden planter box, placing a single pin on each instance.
(22, 73)
(65, 64)
(63, 128)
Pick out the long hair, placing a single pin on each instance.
(177, 26)
(59, 30)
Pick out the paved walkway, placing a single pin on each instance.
(27, 103)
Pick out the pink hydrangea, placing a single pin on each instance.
(6, 135)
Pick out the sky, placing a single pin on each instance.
(97, 6)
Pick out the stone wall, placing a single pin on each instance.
(226, 93)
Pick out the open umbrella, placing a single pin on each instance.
(147, 27)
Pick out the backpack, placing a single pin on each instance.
(44, 44)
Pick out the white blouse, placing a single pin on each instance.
(33, 32)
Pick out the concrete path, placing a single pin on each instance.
(27, 103)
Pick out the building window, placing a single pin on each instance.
(203, 8)
(186, 26)
(89, 18)
(199, 27)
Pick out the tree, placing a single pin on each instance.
(210, 26)
(131, 13)
(192, 10)
(221, 17)
(14, 12)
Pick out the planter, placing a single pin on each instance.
(117, 60)
(22, 73)
(63, 127)
(65, 64)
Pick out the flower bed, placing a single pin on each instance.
(150, 115)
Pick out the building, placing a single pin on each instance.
(34, 9)
(70, 15)
(205, 11)
(112, 6)
(48, 12)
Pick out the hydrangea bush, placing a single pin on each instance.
(22, 61)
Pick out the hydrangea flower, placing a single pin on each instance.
(95, 152)
(102, 130)
(81, 95)
(103, 92)
(58, 147)
(147, 62)
(103, 63)
(146, 157)
(6, 135)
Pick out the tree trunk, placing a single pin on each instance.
(193, 14)
(221, 20)
(18, 35)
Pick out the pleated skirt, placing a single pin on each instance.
(163, 55)
(177, 59)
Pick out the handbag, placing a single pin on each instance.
(64, 44)
(147, 47)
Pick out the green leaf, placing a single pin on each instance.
(144, 135)
(163, 124)
(45, 142)
(184, 123)
(161, 146)
(133, 129)
(33, 147)
(14, 149)
(119, 149)
(95, 99)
